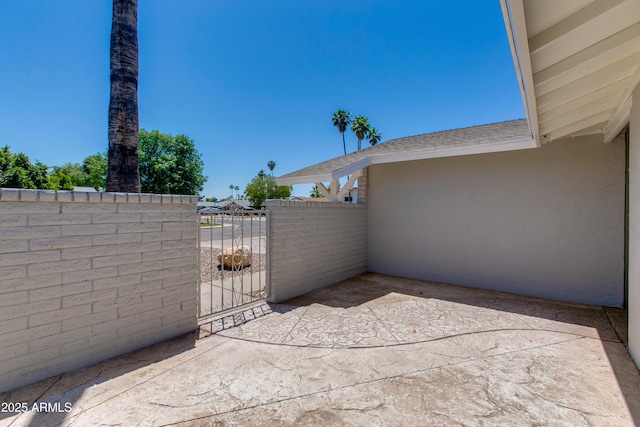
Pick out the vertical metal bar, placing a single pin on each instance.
(233, 241)
(241, 266)
(268, 251)
(211, 270)
(210, 250)
(260, 253)
(251, 255)
(266, 265)
(222, 218)
(199, 298)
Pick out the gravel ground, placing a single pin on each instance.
(210, 269)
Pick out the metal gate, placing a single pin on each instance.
(233, 259)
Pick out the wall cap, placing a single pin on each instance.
(23, 195)
(295, 203)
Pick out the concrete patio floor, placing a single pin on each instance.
(372, 350)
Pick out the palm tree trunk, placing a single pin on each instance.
(344, 145)
(123, 174)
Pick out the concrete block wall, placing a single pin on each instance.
(313, 244)
(88, 276)
(363, 185)
(546, 222)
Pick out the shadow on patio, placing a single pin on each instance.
(370, 350)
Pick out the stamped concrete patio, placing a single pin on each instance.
(372, 350)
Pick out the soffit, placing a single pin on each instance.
(579, 60)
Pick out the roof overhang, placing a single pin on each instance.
(333, 174)
(577, 63)
(326, 176)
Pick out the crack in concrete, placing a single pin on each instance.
(294, 326)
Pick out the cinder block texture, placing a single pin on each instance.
(88, 276)
(314, 244)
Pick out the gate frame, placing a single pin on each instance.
(263, 275)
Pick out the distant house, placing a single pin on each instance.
(307, 199)
(548, 205)
(227, 205)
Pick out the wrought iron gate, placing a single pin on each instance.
(233, 259)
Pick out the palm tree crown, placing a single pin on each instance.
(360, 127)
(374, 136)
(341, 119)
(271, 165)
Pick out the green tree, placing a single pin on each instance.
(123, 173)
(315, 193)
(341, 119)
(211, 199)
(17, 171)
(169, 165)
(91, 173)
(360, 127)
(67, 176)
(271, 165)
(95, 170)
(374, 136)
(264, 187)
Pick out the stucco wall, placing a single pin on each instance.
(313, 244)
(87, 276)
(547, 222)
(634, 228)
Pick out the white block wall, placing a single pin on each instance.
(314, 244)
(88, 276)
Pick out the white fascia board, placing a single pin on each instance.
(353, 167)
(491, 147)
(516, 27)
(304, 179)
(325, 176)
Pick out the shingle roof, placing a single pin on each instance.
(509, 135)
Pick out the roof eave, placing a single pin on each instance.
(492, 147)
(325, 177)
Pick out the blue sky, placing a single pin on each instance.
(253, 80)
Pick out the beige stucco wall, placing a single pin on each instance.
(87, 276)
(634, 228)
(313, 244)
(547, 222)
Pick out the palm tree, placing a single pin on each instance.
(341, 119)
(123, 174)
(271, 166)
(232, 187)
(374, 136)
(360, 126)
(315, 193)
